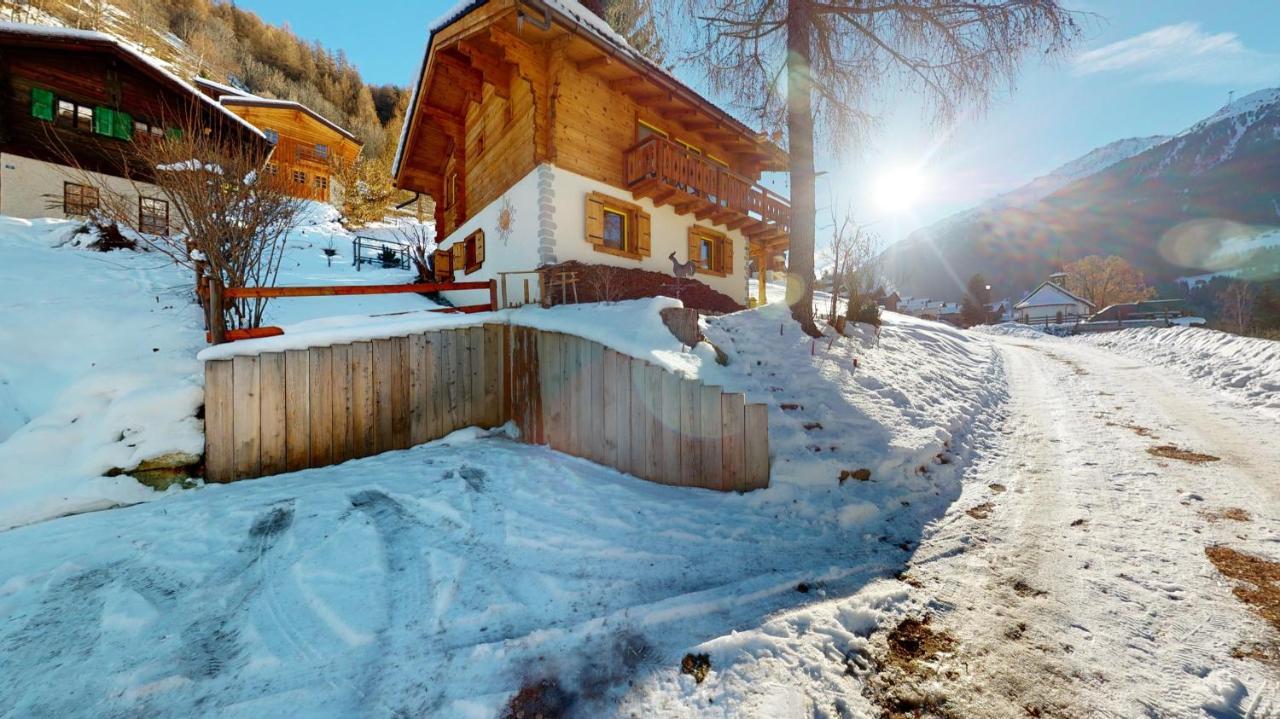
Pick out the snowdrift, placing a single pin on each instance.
(1246, 368)
(98, 368)
(441, 579)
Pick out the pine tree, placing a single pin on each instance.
(977, 298)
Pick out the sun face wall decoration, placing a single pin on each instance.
(506, 219)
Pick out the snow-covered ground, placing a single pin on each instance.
(98, 367)
(439, 580)
(1247, 368)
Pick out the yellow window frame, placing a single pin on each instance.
(652, 128)
(689, 146)
(626, 226)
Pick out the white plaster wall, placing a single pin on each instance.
(550, 218)
(519, 252)
(1050, 312)
(25, 186)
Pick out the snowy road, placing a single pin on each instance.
(1072, 572)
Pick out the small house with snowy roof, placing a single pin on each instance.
(76, 102)
(1051, 302)
(309, 147)
(544, 137)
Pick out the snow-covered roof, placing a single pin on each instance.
(241, 98)
(1049, 294)
(574, 13)
(50, 33)
(220, 88)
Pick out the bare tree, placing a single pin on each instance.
(1236, 307)
(831, 55)
(839, 252)
(420, 238)
(862, 275)
(197, 194)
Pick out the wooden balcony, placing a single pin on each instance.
(671, 175)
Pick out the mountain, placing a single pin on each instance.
(1168, 205)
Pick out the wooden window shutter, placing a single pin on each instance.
(695, 245)
(479, 247)
(443, 265)
(104, 121)
(122, 126)
(595, 219)
(42, 104)
(727, 264)
(459, 250)
(642, 233)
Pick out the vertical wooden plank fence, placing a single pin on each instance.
(290, 410)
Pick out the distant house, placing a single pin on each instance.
(76, 101)
(1050, 302)
(891, 302)
(308, 146)
(543, 137)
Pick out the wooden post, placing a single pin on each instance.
(493, 294)
(217, 322)
(219, 453)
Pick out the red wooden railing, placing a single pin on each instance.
(214, 296)
(690, 173)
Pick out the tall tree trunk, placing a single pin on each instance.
(800, 148)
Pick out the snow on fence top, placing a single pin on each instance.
(632, 327)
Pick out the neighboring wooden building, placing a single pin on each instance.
(1050, 302)
(543, 137)
(76, 98)
(309, 147)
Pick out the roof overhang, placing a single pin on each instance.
(544, 15)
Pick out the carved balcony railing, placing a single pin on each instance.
(671, 175)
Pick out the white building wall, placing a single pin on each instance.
(550, 226)
(33, 188)
(1049, 313)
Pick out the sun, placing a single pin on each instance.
(899, 189)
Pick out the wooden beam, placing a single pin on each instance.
(453, 126)
(496, 71)
(594, 62)
(628, 84)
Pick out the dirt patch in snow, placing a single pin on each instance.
(982, 511)
(1026, 590)
(1259, 580)
(1170, 451)
(906, 681)
(606, 283)
(996, 487)
(543, 699)
(1235, 514)
(1135, 428)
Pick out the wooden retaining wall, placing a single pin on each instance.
(284, 411)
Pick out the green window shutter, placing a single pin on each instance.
(42, 104)
(124, 126)
(174, 133)
(104, 121)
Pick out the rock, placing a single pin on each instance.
(164, 471)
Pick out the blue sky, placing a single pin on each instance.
(1142, 68)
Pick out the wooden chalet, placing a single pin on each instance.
(80, 99)
(309, 147)
(537, 111)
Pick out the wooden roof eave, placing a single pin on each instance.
(775, 157)
(470, 23)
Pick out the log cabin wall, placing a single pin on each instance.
(499, 144)
(295, 150)
(90, 79)
(595, 124)
(285, 411)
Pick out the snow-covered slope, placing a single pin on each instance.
(1246, 368)
(98, 367)
(439, 580)
(1244, 107)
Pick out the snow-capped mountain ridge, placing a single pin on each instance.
(1127, 198)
